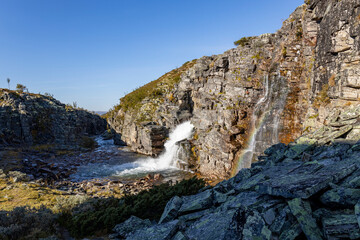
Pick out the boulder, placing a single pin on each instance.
(219, 225)
(171, 210)
(2, 174)
(297, 150)
(302, 211)
(343, 130)
(164, 231)
(18, 176)
(291, 233)
(197, 202)
(180, 236)
(282, 221)
(341, 226)
(341, 197)
(357, 212)
(129, 226)
(255, 226)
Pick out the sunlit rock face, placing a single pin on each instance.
(271, 88)
(27, 118)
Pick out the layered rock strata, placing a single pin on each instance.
(304, 190)
(27, 118)
(270, 88)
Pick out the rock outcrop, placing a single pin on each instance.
(304, 190)
(27, 119)
(271, 88)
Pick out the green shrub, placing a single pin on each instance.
(65, 204)
(88, 142)
(153, 89)
(21, 88)
(243, 41)
(101, 215)
(26, 223)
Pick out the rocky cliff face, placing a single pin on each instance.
(304, 190)
(27, 118)
(270, 88)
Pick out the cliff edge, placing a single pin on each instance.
(29, 119)
(269, 89)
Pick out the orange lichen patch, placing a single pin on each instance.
(332, 80)
(322, 97)
(291, 115)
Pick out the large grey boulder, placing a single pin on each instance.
(171, 210)
(222, 225)
(302, 211)
(341, 226)
(129, 226)
(197, 202)
(255, 226)
(341, 197)
(164, 231)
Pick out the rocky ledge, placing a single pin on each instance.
(308, 189)
(27, 119)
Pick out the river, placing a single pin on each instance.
(120, 163)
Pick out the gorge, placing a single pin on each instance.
(272, 125)
(311, 67)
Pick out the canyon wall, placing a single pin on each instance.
(271, 88)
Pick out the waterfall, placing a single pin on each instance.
(265, 120)
(247, 155)
(167, 160)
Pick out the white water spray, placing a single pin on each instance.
(167, 159)
(248, 153)
(265, 120)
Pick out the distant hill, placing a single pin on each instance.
(100, 112)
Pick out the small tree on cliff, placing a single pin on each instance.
(8, 81)
(20, 87)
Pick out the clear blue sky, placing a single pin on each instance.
(94, 51)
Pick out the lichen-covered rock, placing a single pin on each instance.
(18, 176)
(255, 226)
(273, 201)
(180, 236)
(299, 182)
(129, 226)
(291, 233)
(342, 226)
(224, 225)
(2, 174)
(157, 232)
(357, 212)
(27, 118)
(171, 210)
(302, 211)
(197, 202)
(341, 197)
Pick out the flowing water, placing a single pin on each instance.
(265, 120)
(124, 164)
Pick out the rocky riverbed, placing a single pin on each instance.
(74, 171)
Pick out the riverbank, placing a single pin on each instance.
(107, 171)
